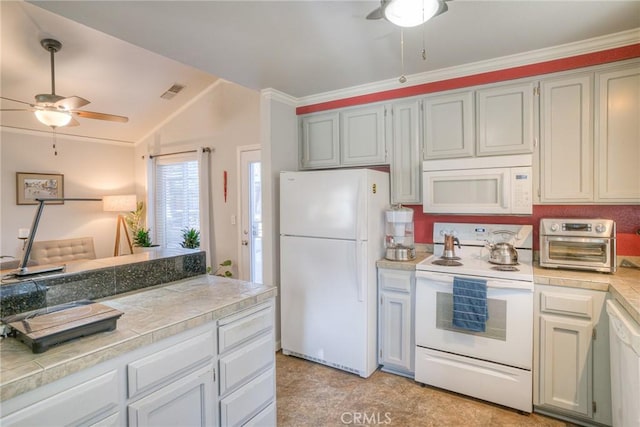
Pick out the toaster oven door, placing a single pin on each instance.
(578, 252)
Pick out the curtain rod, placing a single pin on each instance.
(204, 150)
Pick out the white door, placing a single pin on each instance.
(328, 204)
(250, 266)
(324, 306)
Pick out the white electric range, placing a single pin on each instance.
(490, 356)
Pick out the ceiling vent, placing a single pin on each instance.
(172, 91)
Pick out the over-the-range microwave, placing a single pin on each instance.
(478, 185)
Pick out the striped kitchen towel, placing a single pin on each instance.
(470, 304)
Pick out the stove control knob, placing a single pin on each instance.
(600, 228)
(555, 227)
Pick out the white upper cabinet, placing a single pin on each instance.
(347, 137)
(589, 130)
(362, 136)
(449, 130)
(618, 135)
(505, 119)
(566, 145)
(405, 156)
(319, 142)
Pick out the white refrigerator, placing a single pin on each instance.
(331, 235)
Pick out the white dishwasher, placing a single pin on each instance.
(624, 345)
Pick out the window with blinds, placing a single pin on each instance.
(176, 200)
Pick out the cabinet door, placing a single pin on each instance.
(189, 401)
(566, 363)
(618, 136)
(566, 144)
(396, 344)
(405, 160)
(93, 401)
(319, 141)
(362, 136)
(505, 119)
(448, 126)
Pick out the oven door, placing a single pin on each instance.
(508, 338)
(577, 252)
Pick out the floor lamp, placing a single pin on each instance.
(120, 204)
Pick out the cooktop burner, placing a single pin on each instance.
(505, 268)
(447, 262)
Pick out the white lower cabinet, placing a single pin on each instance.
(396, 341)
(172, 382)
(247, 367)
(189, 401)
(571, 354)
(94, 402)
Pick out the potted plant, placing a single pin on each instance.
(190, 238)
(134, 219)
(142, 239)
(222, 269)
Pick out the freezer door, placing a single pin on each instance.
(325, 304)
(328, 204)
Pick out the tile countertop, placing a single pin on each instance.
(624, 284)
(150, 315)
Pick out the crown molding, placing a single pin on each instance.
(276, 95)
(597, 44)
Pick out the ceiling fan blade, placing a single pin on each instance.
(376, 14)
(443, 8)
(71, 103)
(15, 100)
(14, 109)
(100, 116)
(73, 122)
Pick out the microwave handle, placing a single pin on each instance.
(506, 192)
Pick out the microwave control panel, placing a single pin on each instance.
(522, 190)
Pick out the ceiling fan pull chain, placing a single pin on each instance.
(424, 49)
(55, 140)
(402, 78)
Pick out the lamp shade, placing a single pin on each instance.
(53, 118)
(119, 203)
(409, 13)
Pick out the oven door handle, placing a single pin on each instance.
(447, 280)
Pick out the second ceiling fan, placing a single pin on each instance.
(55, 110)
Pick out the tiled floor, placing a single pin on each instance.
(310, 394)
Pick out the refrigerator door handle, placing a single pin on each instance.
(361, 273)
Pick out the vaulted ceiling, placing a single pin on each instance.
(122, 55)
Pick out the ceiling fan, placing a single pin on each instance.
(55, 110)
(408, 13)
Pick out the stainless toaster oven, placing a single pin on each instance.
(581, 244)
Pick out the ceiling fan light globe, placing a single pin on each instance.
(53, 118)
(411, 13)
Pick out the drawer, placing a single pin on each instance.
(266, 417)
(396, 280)
(244, 403)
(167, 365)
(566, 304)
(90, 400)
(245, 362)
(239, 328)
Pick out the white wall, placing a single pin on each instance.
(91, 169)
(224, 117)
(279, 137)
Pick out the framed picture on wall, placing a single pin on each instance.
(32, 186)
